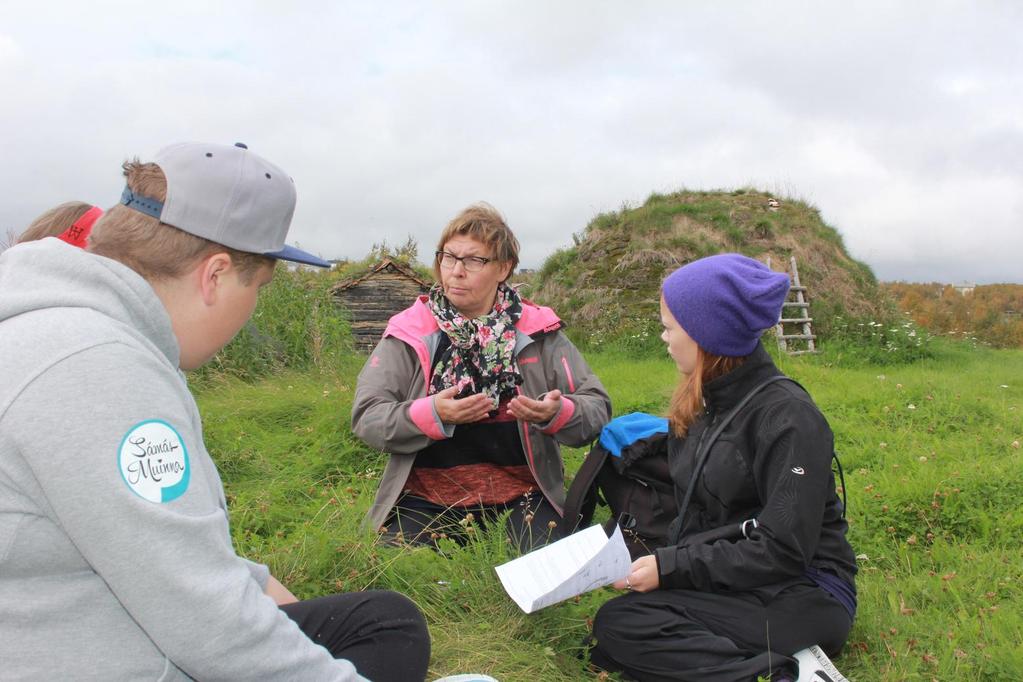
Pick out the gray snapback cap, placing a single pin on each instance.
(228, 195)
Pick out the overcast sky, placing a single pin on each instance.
(901, 121)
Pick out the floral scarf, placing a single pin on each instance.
(481, 357)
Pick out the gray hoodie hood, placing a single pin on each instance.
(49, 273)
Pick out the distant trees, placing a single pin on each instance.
(992, 314)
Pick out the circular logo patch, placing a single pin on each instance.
(154, 461)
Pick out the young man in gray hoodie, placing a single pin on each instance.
(116, 560)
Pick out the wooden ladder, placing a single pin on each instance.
(795, 312)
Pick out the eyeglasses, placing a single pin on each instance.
(470, 263)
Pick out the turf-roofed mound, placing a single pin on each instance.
(606, 285)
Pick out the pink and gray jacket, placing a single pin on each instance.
(392, 411)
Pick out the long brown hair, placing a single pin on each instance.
(687, 400)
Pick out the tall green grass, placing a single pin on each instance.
(296, 325)
(933, 476)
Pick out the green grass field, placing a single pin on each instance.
(932, 461)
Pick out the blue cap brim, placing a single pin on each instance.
(298, 256)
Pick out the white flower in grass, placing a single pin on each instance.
(911, 406)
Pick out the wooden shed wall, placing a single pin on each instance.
(373, 301)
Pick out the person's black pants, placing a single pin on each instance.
(706, 636)
(382, 633)
(533, 521)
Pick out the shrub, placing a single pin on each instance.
(889, 342)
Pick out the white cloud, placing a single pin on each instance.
(10, 52)
(903, 127)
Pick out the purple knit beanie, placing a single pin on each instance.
(724, 302)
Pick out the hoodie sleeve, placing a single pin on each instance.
(586, 406)
(382, 414)
(792, 472)
(130, 483)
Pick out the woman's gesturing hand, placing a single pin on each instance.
(463, 410)
(536, 411)
(642, 577)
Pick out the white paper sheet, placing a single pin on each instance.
(579, 563)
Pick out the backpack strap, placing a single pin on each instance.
(703, 449)
(581, 499)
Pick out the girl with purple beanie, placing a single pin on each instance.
(757, 566)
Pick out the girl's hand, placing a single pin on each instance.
(642, 577)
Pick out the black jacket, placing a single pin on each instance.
(772, 464)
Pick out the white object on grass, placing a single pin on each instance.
(579, 563)
(815, 666)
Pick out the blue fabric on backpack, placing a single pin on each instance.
(621, 432)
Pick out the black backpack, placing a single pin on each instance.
(627, 470)
(629, 475)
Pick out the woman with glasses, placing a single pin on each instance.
(471, 390)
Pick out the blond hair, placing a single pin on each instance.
(54, 222)
(486, 225)
(153, 249)
(687, 401)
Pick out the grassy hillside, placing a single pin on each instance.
(606, 285)
(933, 471)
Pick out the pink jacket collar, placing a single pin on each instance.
(416, 321)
